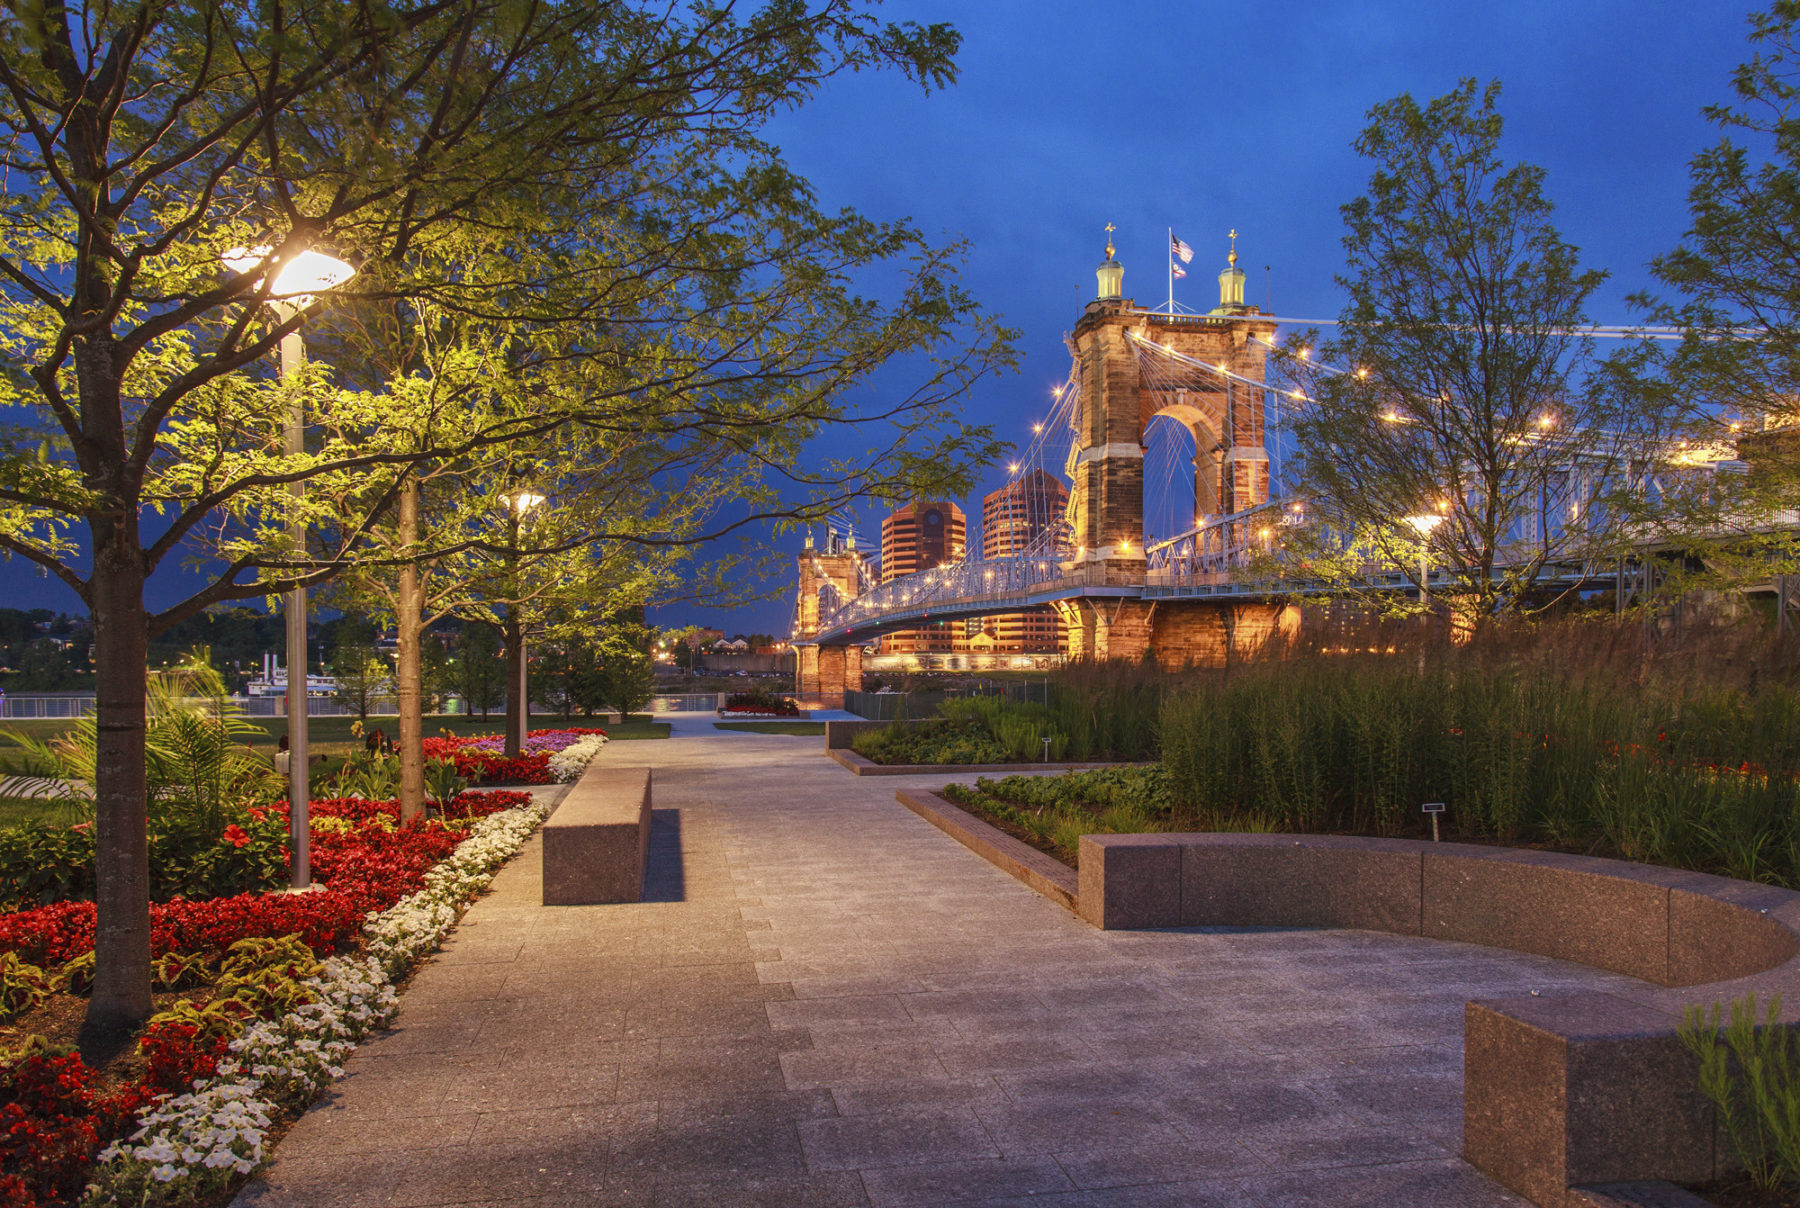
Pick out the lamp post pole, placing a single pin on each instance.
(1423, 524)
(524, 677)
(297, 278)
(518, 503)
(293, 360)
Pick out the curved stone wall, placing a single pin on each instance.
(1559, 1091)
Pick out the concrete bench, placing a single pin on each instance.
(597, 841)
(1559, 1091)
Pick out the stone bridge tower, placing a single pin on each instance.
(1122, 389)
(836, 570)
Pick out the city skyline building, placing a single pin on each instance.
(1025, 515)
(920, 536)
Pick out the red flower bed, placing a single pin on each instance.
(54, 1114)
(177, 1057)
(53, 1120)
(481, 767)
(363, 870)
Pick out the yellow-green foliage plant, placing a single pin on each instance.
(1747, 1070)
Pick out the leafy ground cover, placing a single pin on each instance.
(1096, 712)
(1052, 812)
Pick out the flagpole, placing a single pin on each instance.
(1171, 248)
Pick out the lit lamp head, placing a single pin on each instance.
(1424, 524)
(521, 502)
(299, 279)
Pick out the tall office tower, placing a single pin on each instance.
(915, 538)
(1025, 516)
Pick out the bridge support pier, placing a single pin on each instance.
(1177, 633)
(829, 671)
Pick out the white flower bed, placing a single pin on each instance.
(192, 1144)
(567, 763)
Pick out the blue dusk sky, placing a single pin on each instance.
(1207, 117)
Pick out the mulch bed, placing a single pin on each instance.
(1741, 1193)
(58, 1020)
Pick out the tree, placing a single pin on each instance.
(1450, 392)
(43, 667)
(143, 143)
(356, 664)
(479, 673)
(628, 680)
(1734, 377)
(437, 671)
(684, 643)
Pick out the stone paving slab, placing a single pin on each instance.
(824, 1001)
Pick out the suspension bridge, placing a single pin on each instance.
(1153, 396)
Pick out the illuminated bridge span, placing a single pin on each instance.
(1153, 397)
(1218, 562)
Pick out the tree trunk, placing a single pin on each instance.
(409, 674)
(121, 997)
(515, 648)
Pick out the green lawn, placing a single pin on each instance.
(324, 732)
(16, 811)
(637, 727)
(798, 728)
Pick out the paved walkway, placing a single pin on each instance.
(828, 1002)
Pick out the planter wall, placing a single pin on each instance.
(1559, 1090)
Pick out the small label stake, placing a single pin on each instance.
(1434, 808)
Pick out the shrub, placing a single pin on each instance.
(1054, 812)
(1701, 780)
(1748, 1070)
(761, 702)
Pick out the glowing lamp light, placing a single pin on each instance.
(309, 273)
(1392, 417)
(1424, 524)
(1012, 467)
(1037, 427)
(1546, 421)
(520, 502)
(1362, 372)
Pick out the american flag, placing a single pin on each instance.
(1177, 247)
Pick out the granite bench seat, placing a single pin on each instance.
(597, 841)
(1559, 1091)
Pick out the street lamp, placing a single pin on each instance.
(299, 278)
(518, 504)
(1423, 525)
